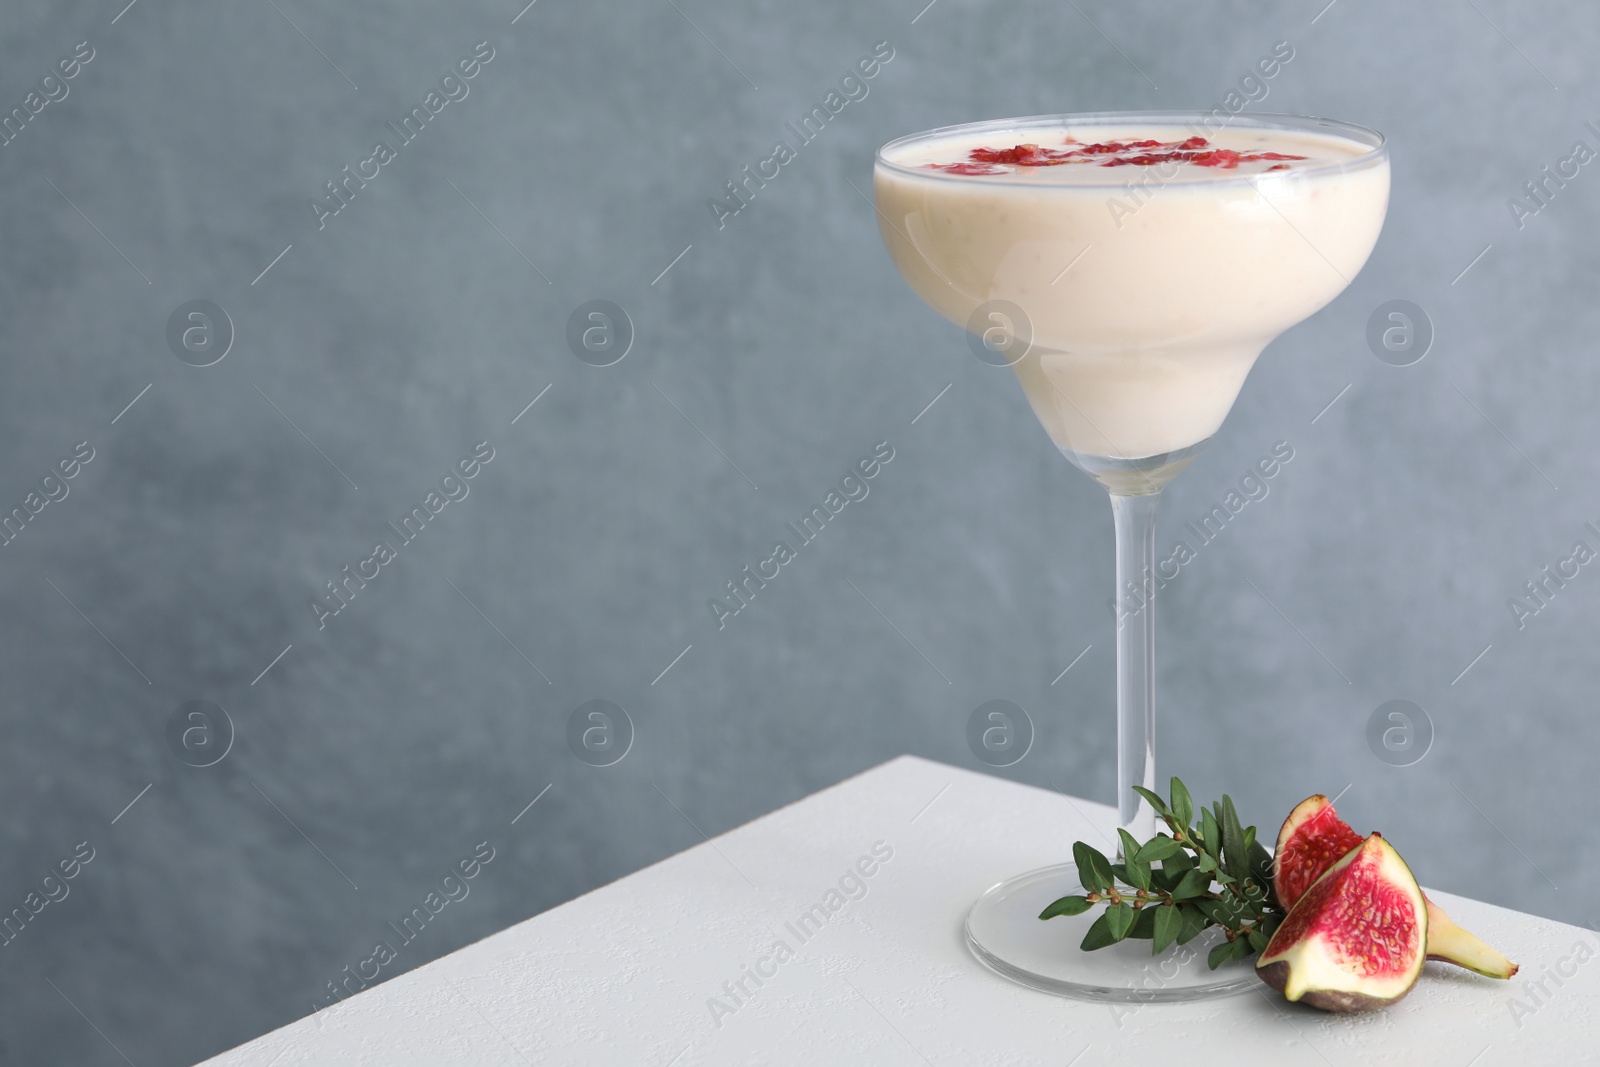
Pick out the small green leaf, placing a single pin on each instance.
(1182, 803)
(1258, 940)
(1168, 924)
(1206, 863)
(1144, 923)
(1214, 910)
(1179, 865)
(1119, 918)
(1220, 954)
(1194, 921)
(1094, 870)
(1260, 864)
(1076, 905)
(1229, 914)
(1235, 851)
(1138, 874)
(1153, 799)
(1241, 948)
(1135, 874)
(1193, 884)
(1212, 834)
(1098, 935)
(1159, 847)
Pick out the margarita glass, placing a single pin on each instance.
(1129, 267)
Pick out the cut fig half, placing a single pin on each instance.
(1356, 939)
(1313, 838)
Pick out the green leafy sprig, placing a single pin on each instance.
(1171, 887)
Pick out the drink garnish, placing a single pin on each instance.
(1287, 907)
(1146, 153)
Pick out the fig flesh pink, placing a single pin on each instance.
(1356, 939)
(1313, 838)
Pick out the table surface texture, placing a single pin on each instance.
(769, 945)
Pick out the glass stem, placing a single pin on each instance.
(1135, 518)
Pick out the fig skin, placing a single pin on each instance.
(1276, 975)
(1447, 942)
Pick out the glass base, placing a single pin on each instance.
(1004, 931)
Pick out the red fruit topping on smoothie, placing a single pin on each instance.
(1146, 153)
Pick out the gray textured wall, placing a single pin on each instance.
(421, 319)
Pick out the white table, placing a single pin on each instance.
(626, 974)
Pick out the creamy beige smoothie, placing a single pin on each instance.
(1153, 262)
